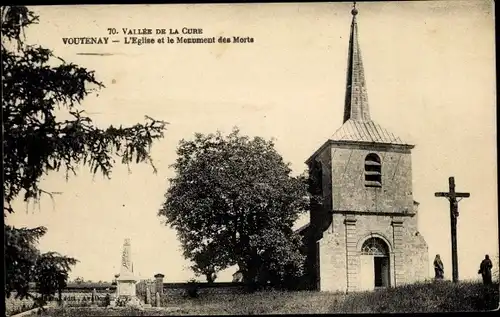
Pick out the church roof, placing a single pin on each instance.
(357, 123)
(365, 131)
(356, 97)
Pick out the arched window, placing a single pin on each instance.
(375, 246)
(373, 171)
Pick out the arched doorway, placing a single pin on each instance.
(374, 264)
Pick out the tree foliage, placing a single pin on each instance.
(21, 253)
(51, 273)
(44, 130)
(233, 201)
(24, 264)
(36, 84)
(207, 262)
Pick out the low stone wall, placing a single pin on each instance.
(181, 289)
(80, 295)
(89, 290)
(204, 289)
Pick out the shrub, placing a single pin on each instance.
(107, 300)
(122, 301)
(192, 290)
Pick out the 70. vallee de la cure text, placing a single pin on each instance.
(178, 37)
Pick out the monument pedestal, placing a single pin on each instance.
(126, 292)
(126, 285)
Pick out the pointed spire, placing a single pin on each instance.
(356, 99)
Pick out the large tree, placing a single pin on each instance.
(234, 199)
(45, 129)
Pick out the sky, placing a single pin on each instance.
(430, 72)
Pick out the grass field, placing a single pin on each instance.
(424, 297)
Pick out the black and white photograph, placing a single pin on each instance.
(250, 158)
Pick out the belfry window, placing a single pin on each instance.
(373, 171)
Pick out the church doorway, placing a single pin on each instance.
(374, 264)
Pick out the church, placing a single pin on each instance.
(362, 233)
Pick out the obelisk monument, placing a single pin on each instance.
(126, 281)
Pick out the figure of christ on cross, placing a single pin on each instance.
(452, 197)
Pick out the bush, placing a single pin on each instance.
(122, 301)
(192, 290)
(107, 300)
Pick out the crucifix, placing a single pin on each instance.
(452, 197)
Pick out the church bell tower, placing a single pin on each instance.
(363, 230)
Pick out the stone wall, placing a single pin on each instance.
(348, 183)
(355, 212)
(80, 295)
(180, 289)
(84, 289)
(341, 245)
(88, 287)
(414, 253)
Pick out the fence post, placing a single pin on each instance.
(94, 298)
(158, 300)
(159, 283)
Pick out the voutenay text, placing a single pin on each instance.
(141, 36)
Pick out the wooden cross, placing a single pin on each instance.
(452, 197)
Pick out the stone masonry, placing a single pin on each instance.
(358, 212)
(366, 223)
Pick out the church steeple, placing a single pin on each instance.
(356, 98)
(358, 125)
